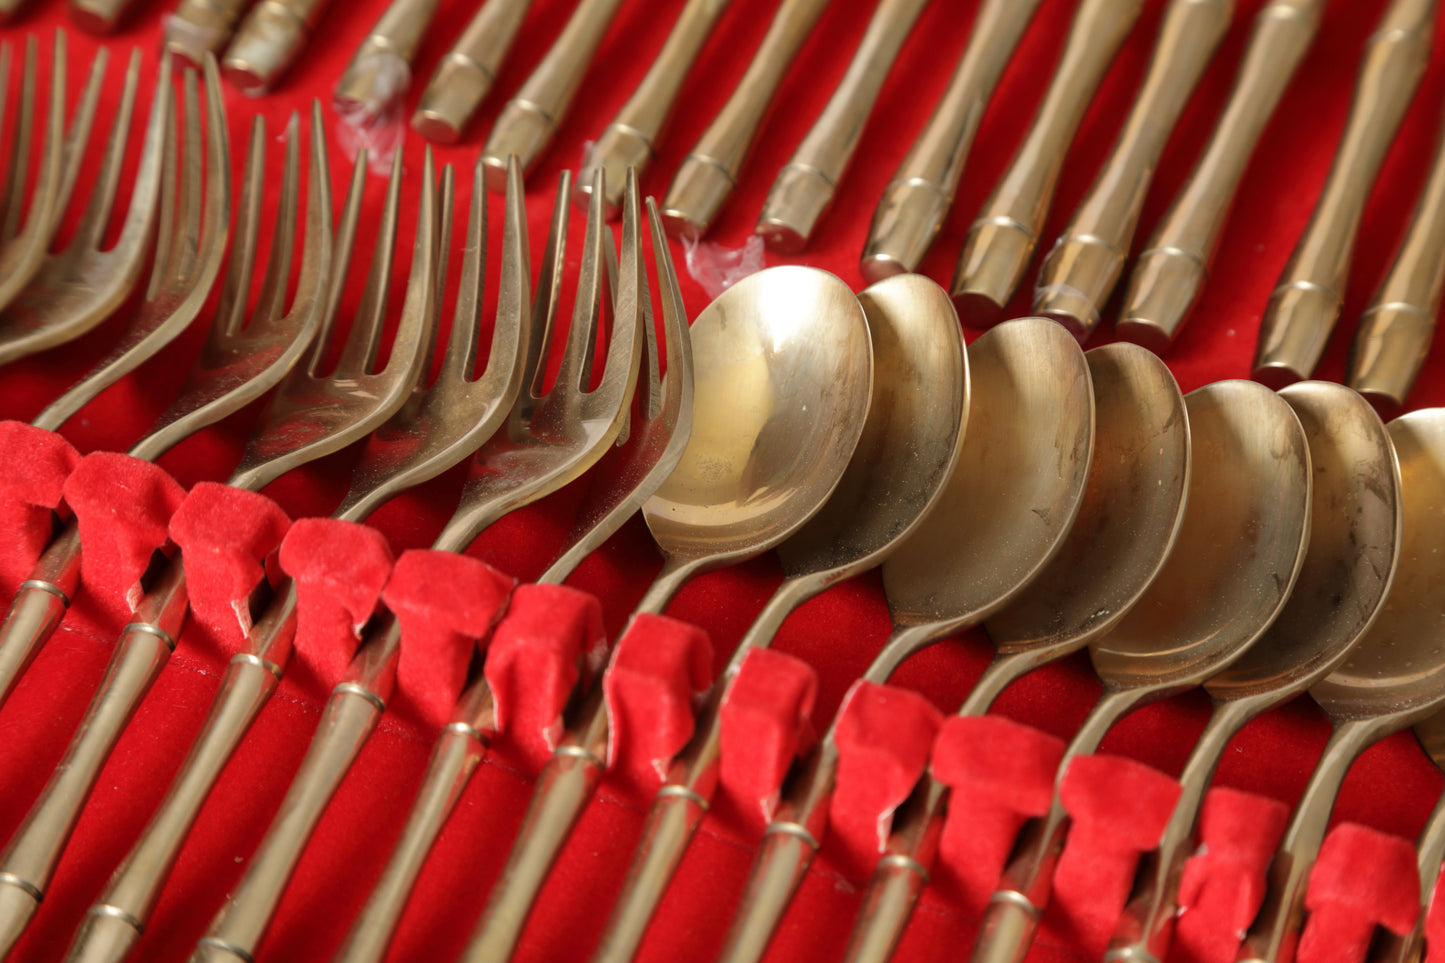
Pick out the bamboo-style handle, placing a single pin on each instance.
(710, 171)
(1306, 302)
(803, 189)
(200, 27)
(466, 73)
(1001, 240)
(916, 201)
(630, 140)
(1172, 269)
(1397, 328)
(39, 605)
(1079, 274)
(142, 651)
(269, 41)
(380, 70)
(530, 120)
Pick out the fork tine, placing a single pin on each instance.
(587, 307)
(141, 214)
(5, 200)
(165, 226)
(411, 344)
(549, 290)
(344, 247)
(77, 137)
(231, 308)
(316, 250)
(674, 311)
(360, 351)
(459, 362)
(270, 303)
(188, 200)
(446, 196)
(620, 367)
(19, 167)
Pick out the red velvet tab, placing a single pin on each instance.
(1223, 884)
(884, 736)
(1362, 877)
(37, 462)
(123, 506)
(657, 668)
(1118, 810)
(445, 603)
(1435, 923)
(550, 638)
(1000, 773)
(226, 535)
(762, 722)
(339, 569)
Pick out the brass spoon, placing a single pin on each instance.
(1131, 512)
(783, 371)
(910, 444)
(1430, 847)
(1354, 541)
(1009, 505)
(1237, 555)
(1394, 677)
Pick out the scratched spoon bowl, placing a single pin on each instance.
(1237, 555)
(1393, 678)
(1353, 545)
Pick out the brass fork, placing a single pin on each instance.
(188, 259)
(75, 289)
(255, 355)
(433, 430)
(548, 440)
(627, 475)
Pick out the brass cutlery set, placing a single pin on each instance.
(1251, 543)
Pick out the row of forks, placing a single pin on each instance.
(524, 441)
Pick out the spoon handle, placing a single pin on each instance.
(804, 188)
(1306, 302)
(1410, 948)
(1282, 915)
(710, 171)
(916, 201)
(1014, 909)
(1397, 328)
(1003, 235)
(39, 605)
(631, 139)
(1146, 927)
(1172, 269)
(1079, 274)
(144, 648)
(467, 71)
(380, 70)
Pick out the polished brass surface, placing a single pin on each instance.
(783, 370)
(918, 198)
(626, 476)
(1306, 302)
(1171, 270)
(268, 42)
(1393, 678)
(529, 121)
(1353, 545)
(631, 139)
(1007, 508)
(1001, 241)
(803, 189)
(76, 288)
(1079, 274)
(1396, 330)
(707, 175)
(1133, 503)
(433, 430)
(907, 451)
(466, 73)
(23, 248)
(275, 447)
(1237, 555)
(547, 441)
(197, 28)
(379, 73)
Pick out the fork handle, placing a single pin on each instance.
(236, 932)
(38, 607)
(371, 75)
(1306, 302)
(142, 651)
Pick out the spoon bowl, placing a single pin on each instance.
(783, 370)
